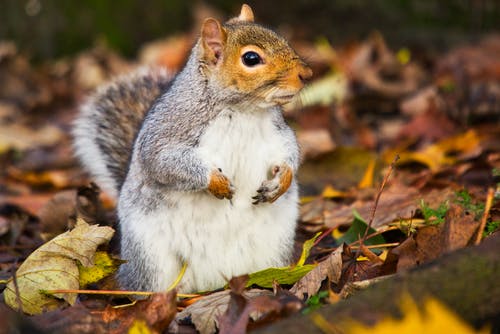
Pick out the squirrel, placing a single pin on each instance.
(202, 163)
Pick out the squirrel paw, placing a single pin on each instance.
(271, 190)
(219, 185)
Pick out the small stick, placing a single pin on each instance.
(324, 234)
(113, 292)
(375, 204)
(486, 213)
(391, 244)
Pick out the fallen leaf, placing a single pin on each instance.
(56, 215)
(310, 284)
(367, 180)
(104, 265)
(205, 312)
(18, 137)
(77, 319)
(430, 242)
(332, 87)
(431, 317)
(242, 309)
(284, 275)
(443, 153)
(354, 270)
(139, 327)
(53, 178)
(154, 314)
(314, 143)
(330, 192)
(357, 230)
(53, 266)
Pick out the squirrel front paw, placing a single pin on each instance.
(271, 190)
(219, 185)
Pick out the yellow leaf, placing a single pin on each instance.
(139, 327)
(442, 153)
(336, 234)
(306, 248)
(330, 192)
(54, 266)
(307, 199)
(104, 265)
(434, 318)
(367, 180)
(383, 255)
(403, 55)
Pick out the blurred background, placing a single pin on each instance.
(54, 28)
(390, 76)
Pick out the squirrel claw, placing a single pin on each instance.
(219, 185)
(271, 190)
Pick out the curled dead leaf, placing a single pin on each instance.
(53, 266)
(310, 284)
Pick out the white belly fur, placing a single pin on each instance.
(219, 239)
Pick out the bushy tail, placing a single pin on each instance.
(108, 123)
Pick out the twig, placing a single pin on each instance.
(323, 235)
(375, 204)
(390, 244)
(486, 213)
(113, 292)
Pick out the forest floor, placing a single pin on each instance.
(406, 143)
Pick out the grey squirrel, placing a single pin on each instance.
(203, 164)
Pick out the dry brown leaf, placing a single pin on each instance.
(56, 214)
(430, 242)
(310, 284)
(53, 266)
(314, 143)
(260, 309)
(206, 312)
(19, 137)
(354, 269)
(157, 312)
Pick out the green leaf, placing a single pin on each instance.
(357, 230)
(285, 275)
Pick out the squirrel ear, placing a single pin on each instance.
(246, 13)
(213, 38)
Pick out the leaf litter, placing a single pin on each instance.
(445, 130)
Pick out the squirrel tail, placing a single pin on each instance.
(105, 130)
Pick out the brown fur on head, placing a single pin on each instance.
(251, 59)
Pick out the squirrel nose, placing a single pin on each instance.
(305, 74)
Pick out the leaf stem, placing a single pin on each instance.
(375, 204)
(113, 292)
(486, 213)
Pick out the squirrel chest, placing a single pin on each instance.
(243, 145)
(218, 239)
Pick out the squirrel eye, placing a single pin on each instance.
(251, 58)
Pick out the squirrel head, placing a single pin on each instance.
(248, 59)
